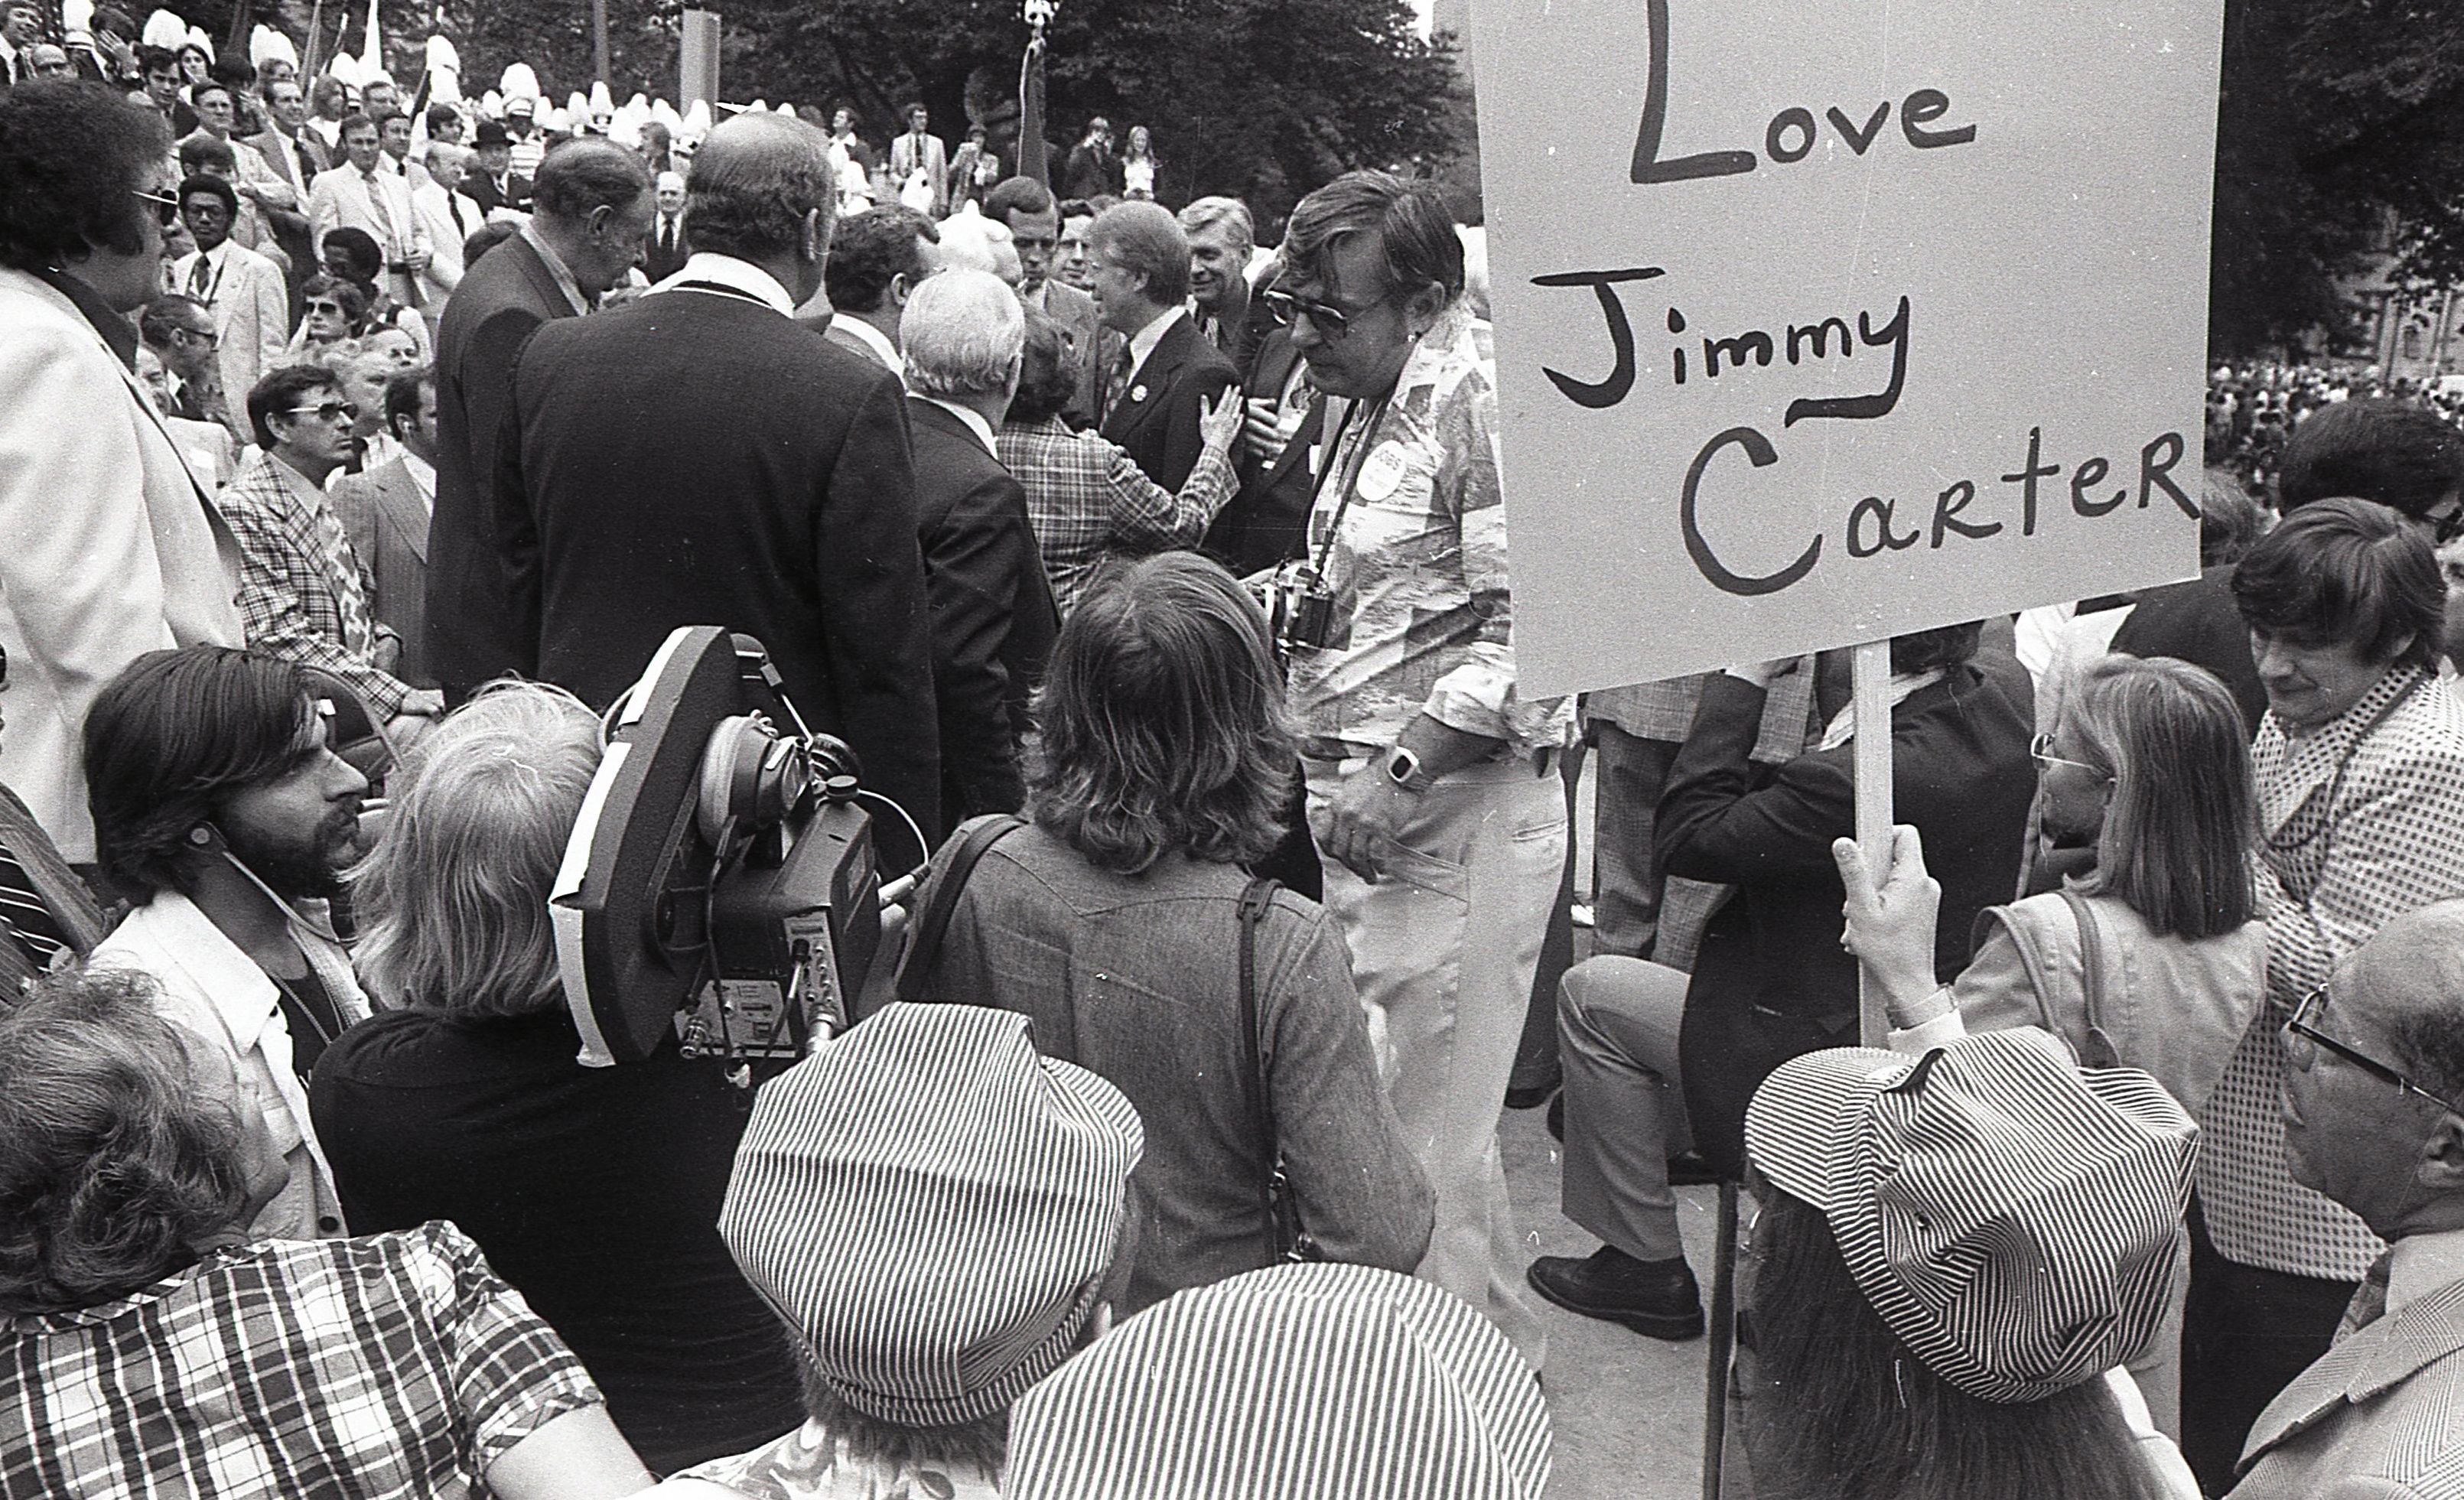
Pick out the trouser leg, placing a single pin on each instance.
(1630, 772)
(1617, 1019)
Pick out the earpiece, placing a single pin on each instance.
(201, 835)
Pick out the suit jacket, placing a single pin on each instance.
(477, 629)
(1157, 419)
(696, 458)
(386, 516)
(251, 310)
(993, 614)
(1091, 343)
(2198, 622)
(313, 159)
(382, 207)
(483, 192)
(1086, 173)
(905, 158)
(1266, 523)
(109, 546)
(660, 262)
(836, 331)
(449, 218)
(2380, 1416)
(1771, 980)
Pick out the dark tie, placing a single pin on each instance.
(1116, 383)
(667, 234)
(201, 280)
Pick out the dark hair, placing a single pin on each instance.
(1163, 721)
(1414, 234)
(907, 110)
(71, 156)
(175, 732)
(2175, 845)
(353, 122)
(113, 1162)
(441, 117)
(1048, 372)
(402, 395)
(579, 177)
(353, 296)
(231, 69)
(485, 238)
(151, 58)
(1077, 209)
(359, 250)
(1017, 195)
(169, 314)
(212, 188)
(752, 203)
(1942, 646)
(1850, 1414)
(201, 151)
(2229, 520)
(2380, 449)
(1145, 240)
(2345, 569)
(869, 250)
(279, 390)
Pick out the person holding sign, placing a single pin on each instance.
(1431, 779)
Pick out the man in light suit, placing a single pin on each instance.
(109, 546)
(385, 511)
(2374, 1118)
(1156, 387)
(920, 150)
(1034, 219)
(362, 194)
(877, 260)
(244, 289)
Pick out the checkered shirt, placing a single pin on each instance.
(1665, 710)
(303, 594)
(1417, 567)
(1090, 501)
(392, 1366)
(2393, 840)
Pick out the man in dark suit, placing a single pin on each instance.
(384, 513)
(665, 254)
(993, 614)
(1092, 169)
(496, 185)
(699, 458)
(1034, 219)
(877, 260)
(1166, 371)
(593, 214)
(1267, 521)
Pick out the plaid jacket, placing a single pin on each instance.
(1088, 501)
(392, 1366)
(303, 594)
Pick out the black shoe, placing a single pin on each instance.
(1688, 1169)
(1530, 1098)
(1658, 1298)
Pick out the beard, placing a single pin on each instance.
(300, 869)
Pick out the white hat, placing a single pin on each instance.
(441, 53)
(493, 104)
(666, 113)
(601, 106)
(788, 110)
(519, 81)
(164, 30)
(695, 122)
(345, 67)
(76, 18)
(265, 44)
(522, 104)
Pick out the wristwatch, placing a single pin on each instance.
(1404, 770)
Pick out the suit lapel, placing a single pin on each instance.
(397, 500)
(2371, 1361)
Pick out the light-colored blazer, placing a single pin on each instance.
(904, 160)
(450, 219)
(2378, 1417)
(251, 315)
(217, 992)
(386, 519)
(109, 546)
(340, 197)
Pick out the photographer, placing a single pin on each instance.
(594, 1191)
(220, 806)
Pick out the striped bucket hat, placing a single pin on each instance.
(2012, 1218)
(935, 1206)
(1298, 1383)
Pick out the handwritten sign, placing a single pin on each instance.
(1821, 320)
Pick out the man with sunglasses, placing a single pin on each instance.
(302, 587)
(2371, 1117)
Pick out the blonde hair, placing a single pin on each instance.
(455, 895)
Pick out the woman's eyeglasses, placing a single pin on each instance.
(2042, 748)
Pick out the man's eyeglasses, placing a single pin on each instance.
(330, 410)
(1332, 322)
(2301, 1034)
(326, 309)
(2042, 748)
(2447, 518)
(166, 209)
(205, 338)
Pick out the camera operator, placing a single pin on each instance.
(594, 1191)
(220, 806)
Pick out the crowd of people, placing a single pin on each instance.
(354, 463)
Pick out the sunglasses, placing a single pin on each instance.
(166, 209)
(2042, 749)
(330, 410)
(2301, 1034)
(2447, 520)
(1332, 322)
(328, 309)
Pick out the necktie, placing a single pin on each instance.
(667, 234)
(201, 280)
(2369, 1300)
(1116, 383)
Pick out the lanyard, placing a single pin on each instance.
(1346, 476)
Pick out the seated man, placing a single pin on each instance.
(922, 1311)
(135, 1299)
(2372, 1121)
(220, 806)
(302, 589)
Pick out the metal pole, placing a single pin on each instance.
(599, 38)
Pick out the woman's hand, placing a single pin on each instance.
(1219, 421)
(1891, 927)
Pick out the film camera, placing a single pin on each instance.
(1300, 609)
(720, 886)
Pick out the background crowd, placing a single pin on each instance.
(357, 454)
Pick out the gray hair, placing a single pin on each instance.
(1204, 213)
(456, 892)
(961, 335)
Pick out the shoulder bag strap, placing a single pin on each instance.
(1256, 901)
(934, 920)
(2100, 1051)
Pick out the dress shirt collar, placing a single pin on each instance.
(872, 338)
(423, 474)
(2420, 1264)
(1040, 296)
(974, 419)
(738, 276)
(1142, 343)
(293, 479)
(564, 282)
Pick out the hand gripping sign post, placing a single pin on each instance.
(1824, 320)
